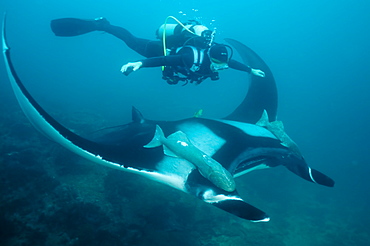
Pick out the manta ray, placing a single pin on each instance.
(221, 149)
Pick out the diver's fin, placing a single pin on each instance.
(69, 27)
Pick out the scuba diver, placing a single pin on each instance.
(186, 52)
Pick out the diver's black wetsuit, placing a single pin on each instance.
(145, 47)
(153, 51)
(188, 60)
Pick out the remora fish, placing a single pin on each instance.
(277, 128)
(178, 145)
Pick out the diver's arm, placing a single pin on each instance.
(172, 60)
(241, 67)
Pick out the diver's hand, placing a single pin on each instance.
(258, 72)
(131, 67)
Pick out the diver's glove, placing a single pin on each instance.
(257, 72)
(131, 67)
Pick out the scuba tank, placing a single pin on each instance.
(181, 30)
(177, 35)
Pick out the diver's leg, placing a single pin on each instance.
(69, 27)
(145, 47)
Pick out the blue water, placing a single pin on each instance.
(319, 53)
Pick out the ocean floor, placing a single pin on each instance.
(50, 196)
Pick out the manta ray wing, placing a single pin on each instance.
(104, 153)
(262, 93)
(126, 152)
(238, 146)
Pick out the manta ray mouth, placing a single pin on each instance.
(259, 158)
(250, 165)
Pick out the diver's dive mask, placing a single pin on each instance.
(220, 55)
